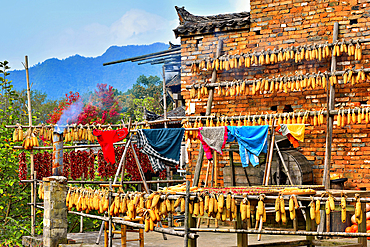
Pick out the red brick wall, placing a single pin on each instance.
(276, 24)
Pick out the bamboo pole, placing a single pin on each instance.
(140, 169)
(32, 168)
(280, 232)
(330, 119)
(186, 221)
(123, 157)
(164, 97)
(110, 234)
(214, 169)
(198, 166)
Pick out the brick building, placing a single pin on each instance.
(280, 24)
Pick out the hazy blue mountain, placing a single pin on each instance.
(81, 74)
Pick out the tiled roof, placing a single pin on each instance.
(191, 24)
(176, 80)
(178, 112)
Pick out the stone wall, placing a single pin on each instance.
(55, 211)
(280, 24)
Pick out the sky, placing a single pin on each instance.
(43, 29)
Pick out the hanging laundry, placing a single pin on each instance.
(294, 132)
(161, 145)
(212, 138)
(106, 138)
(252, 141)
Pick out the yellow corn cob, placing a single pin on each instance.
(283, 217)
(292, 214)
(277, 216)
(182, 204)
(312, 210)
(291, 204)
(195, 208)
(282, 205)
(317, 217)
(327, 207)
(201, 207)
(228, 201)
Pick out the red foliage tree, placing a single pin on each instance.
(58, 111)
(100, 108)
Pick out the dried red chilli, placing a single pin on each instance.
(102, 164)
(91, 165)
(84, 160)
(38, 166)
(74, 164)
(66, 165)
(131, 167)
(22, 170)
(47, 163)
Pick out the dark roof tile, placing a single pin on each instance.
(191, 24)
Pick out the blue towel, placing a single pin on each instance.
(167, 142)
(252, 141)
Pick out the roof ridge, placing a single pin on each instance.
(190, 24)
(186, 16)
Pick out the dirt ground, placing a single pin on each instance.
(154, 239)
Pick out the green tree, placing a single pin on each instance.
(41, 106)
(14, 212)
(145, 93)
(146, 87)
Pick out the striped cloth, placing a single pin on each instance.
(157, 160)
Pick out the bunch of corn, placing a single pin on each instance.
(18, 133)
(80, 133)
(30, 139)
(293, 205)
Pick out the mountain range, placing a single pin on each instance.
(56, 77)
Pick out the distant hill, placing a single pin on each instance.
(81, 74)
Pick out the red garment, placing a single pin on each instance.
(106, 138)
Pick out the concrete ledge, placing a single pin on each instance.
(32, 241)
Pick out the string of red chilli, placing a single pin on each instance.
(22, 171)
(79, 163)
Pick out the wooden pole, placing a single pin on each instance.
(140, 169)
(214, 169)
(32, 168)
(164, 97)
(121, 162)
(186, 221)
(330, 118)
(270, 156)
(198, 166)
(110, 234)
(231, 158)
(362, 226)
(206, 181)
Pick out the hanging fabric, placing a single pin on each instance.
(294, 132)
(161, 145)
(212, 138)
(252, 142)
(106, 138)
